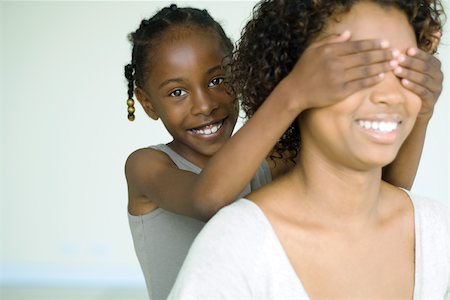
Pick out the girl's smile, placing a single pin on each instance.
(185, 88)
(208, 130)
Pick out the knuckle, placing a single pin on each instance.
(365, 58)
(424, 94)
(358, 46)
(438, 63)
(424, 80)
(365, 72)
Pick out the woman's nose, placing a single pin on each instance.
(389, 91)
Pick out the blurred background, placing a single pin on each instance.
(64, 138)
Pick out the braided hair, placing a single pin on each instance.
(151, 30)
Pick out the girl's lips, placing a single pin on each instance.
(207, 130)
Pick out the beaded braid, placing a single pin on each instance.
(151, 31)
(130, 102)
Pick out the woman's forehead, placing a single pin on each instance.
(368, 20)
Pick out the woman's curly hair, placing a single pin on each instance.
(281, 30)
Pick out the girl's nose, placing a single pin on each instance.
(203, 104)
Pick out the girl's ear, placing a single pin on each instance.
(144, 99)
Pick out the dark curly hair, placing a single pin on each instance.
(146, 37)
(281, 30)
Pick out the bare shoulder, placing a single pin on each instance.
(270, 197)
(395, 198)
(141, 160)
(397, 210)
(142, 167)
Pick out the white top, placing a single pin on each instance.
(162, 239)
(238, 256)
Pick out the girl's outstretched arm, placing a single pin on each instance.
(421, 73)
(151, 175)
(358, 65)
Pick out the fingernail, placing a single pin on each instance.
(384, 44)
(393, 63)
(381, 75)
(398, 70)
(405, 81)
(395, 53)
(412, 51)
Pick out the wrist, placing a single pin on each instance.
(292, 99)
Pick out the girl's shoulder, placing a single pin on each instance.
(143, 157)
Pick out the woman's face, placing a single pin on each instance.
(366, 129)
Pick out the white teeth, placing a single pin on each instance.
(380, 126)
(209, 129)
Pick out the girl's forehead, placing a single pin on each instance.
(186, 32)
(184, 54)
(181, 40)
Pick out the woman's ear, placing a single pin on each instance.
(147, 105)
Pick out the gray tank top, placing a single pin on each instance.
(162, 239)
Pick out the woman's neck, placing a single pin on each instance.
(340, 195)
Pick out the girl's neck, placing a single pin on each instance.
(191, 155)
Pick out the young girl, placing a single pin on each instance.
(176, 73)
(330, 228)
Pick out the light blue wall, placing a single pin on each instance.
(65, 137)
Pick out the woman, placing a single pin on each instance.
(330, 228)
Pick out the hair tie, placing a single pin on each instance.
(173, 7)
(129, 72)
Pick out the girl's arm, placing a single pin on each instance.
(152, 176)
(359, 65)
(421, 73)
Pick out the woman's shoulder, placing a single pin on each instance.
(426, 210)
(240, 220)
(431, 210)
(237, 230)
(231, 248)
(432, 224)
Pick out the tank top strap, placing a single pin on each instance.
(178, 160)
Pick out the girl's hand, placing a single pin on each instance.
(421, 73)
(338, 67)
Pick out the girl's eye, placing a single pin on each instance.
(215, 81)
(178, 93)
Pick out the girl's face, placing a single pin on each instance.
(184, 87)
(366, 129)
